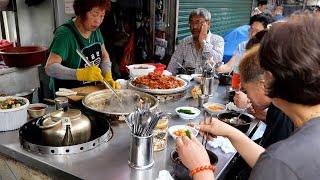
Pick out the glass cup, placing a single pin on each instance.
(202, 99)
(160, 135)
(235, 82)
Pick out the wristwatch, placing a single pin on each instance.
(203, 43)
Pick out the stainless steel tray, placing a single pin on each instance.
(161, 91)
(97, 101)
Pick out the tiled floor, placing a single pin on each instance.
(13, 170)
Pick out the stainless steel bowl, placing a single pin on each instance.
(37, 110)
(105, 102)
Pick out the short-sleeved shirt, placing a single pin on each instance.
(65, 44)
(279, 126)
(296, 157)
(187, 55)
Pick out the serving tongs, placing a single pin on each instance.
(84, 58)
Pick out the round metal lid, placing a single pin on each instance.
(54, 118)
(70, 113)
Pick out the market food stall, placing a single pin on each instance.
(110, 159)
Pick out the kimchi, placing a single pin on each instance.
(158, 81)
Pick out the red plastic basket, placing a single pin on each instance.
(159, 67)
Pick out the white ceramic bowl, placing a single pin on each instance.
(167, 73)
(37, 110)
(123, 83)
(214, 112)
(185, 77)
(140, 69)
(197, 77)
(13, 118)
(175, 128)
(188, 116)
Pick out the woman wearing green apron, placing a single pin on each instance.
(64, 65)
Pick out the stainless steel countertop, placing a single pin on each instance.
(13, 80)
(110, 160)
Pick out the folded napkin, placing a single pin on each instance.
(232, 107)
(164, 175)
(223, 143)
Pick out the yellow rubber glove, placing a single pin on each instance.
(92, 73)
(108, 78)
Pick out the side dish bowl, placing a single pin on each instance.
(187, 112)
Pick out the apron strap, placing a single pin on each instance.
(76, 36)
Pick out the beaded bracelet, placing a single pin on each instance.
(202, 168)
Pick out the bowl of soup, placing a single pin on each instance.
(181, 171)
(37, 110)
(237, 120)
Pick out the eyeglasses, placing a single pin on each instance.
(197, 22)
(95, 14)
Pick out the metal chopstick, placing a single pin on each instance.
(203, 137)
(207, 134)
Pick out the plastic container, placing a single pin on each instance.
(4, 44)
(136, 70)
(235, 82)
(159, 67)
(23, 56)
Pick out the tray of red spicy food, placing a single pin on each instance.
(157, 84)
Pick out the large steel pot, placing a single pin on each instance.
(64, 128)
(105, 102)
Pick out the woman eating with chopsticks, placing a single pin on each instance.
(290, 55)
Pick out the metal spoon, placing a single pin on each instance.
(181, 66)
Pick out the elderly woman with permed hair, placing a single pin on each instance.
(293, 83)
(64, 65)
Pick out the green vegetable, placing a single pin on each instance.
(186, 111)
(188, 133)
(11, 103)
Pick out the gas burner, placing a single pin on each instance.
(31, 138)
(170, 97)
